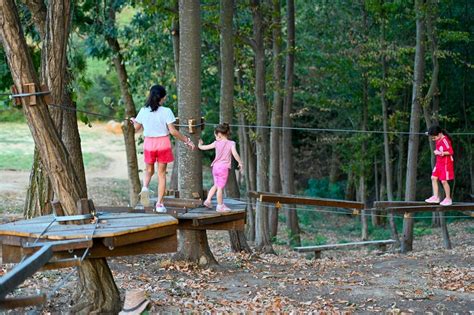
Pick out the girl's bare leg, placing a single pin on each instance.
(434, 183)
(211, 193)
(447, 189)
(161, 181)
(150, 170)
(220, 196)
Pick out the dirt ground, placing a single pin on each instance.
(430, 279)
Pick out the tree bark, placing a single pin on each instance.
(130, 110)
(362, 180)
(56, 161)
(193, 246)
(275, 133)
(286, 164)
(413, 140)
(262, 235)
(250, 179)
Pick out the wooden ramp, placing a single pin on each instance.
(115, 234)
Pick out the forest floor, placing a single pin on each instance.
(429, 279)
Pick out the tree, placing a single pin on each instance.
(262, 235)
(97, 291)
(110, 33)
(192, 244)
(413, 140)
(287, 165)
(275, 133)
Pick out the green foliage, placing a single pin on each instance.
(324, 189)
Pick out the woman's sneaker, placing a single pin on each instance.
(145, 197)
(222, 208)
(432, 199)
(160, 208)
(446, 202)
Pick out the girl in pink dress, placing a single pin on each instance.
(221, 165)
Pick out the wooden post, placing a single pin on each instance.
(58, 210)
(192, 126)
(444, 231)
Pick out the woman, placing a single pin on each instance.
(157, 123)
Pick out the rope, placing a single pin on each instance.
(306, 129)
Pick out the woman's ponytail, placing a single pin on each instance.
(157, 92)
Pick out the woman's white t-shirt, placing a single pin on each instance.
(155, 124)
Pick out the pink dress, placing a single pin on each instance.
(222, 162)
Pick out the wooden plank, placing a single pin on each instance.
(59, 246)
(257, 194)
(62, 263)
(11, 254)
(166, 244)
(389, 204)
(22, 301)
(182, 202)
(430, 208)
(237, 225)
(114, 209)
(219, 219)
(302, 249)
(287, 199)
(138, 237)
(24, 270)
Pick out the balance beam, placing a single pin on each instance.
(319, 248)
(293, 199)
(428, 208)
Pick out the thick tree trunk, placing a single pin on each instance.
(193, 246)
(40, 191)
(286, 163)
(56, 160)
(262, 235)
(275, 133)
(413, 142)
(386, 142)
(130, 111)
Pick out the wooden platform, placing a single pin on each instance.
(197, 218)
(116, 234)
(419, 206)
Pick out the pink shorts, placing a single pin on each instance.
(443, 172)
(220, 173)
(157, 149)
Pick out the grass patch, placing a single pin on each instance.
(18, 161)
(470, 229)
(95, 160)
(420, 231)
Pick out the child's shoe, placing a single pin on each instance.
(145, 197)
(207, 204)
(160, 208)
(222, 208)
(446, 202)
(432, 199)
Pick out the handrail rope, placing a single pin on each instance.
(306, 129)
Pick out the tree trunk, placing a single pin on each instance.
(386, 142)
(56, 161)
(130, 111)
(275, 133)
(250, 179)
(262, 234)
(413, 140)
(39, 192)
(286, 163)
(237, 238)
(362, 180)
(193, 245)
(401, 160)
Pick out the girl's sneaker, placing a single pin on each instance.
(446, 202)
(432, 199)
(160, 208)
(207, 204)
(222, 208)
(145, 197)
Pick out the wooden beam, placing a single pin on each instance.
(303, 249)
(236, 225)
(290, 199)
(59, 246)
(389, 204)
(62, 263)
(141, 236)
(22, 301)
(22, 271)
(219, 219)
(430, 208)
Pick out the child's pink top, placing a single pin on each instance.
(223, 152)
